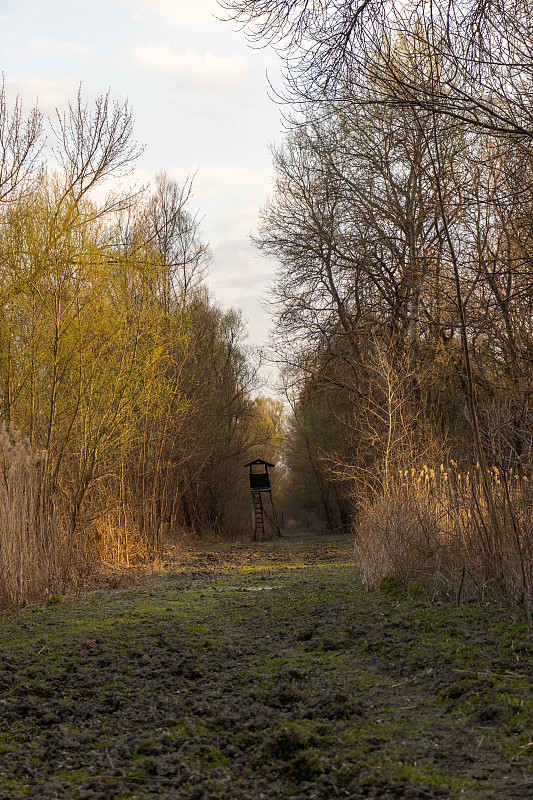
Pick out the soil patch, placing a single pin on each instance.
(265, 671)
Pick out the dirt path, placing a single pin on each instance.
(244, 674)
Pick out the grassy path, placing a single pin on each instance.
(242, 674)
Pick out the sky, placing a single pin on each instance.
(200, 100)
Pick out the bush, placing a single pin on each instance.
(437, 530)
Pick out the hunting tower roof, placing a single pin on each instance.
(259, 461)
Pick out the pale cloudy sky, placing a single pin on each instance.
(200, 100)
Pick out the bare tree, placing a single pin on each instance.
(470, 61)
(166, 224)
(20, 144)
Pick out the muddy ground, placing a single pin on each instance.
(244, 673)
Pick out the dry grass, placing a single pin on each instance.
(32, 557)
(118, 539)
(436, 527)
(40, 556)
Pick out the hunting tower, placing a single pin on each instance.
(260, 488)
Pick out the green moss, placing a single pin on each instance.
(430, 776)
(211, 758)
(71, 775)
(391, 586)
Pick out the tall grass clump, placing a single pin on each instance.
(32, 557)
(438, 528)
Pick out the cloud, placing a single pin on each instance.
(48, 94)
(178, 12)
(240, 184)
(228, 198)
(239, 278)
(46, 47)
(193, 71)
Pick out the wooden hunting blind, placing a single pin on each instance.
(260, 485)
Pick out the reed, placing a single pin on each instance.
(41, 552)
(433, 527)
(32, 558)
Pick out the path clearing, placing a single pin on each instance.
(245, 673)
